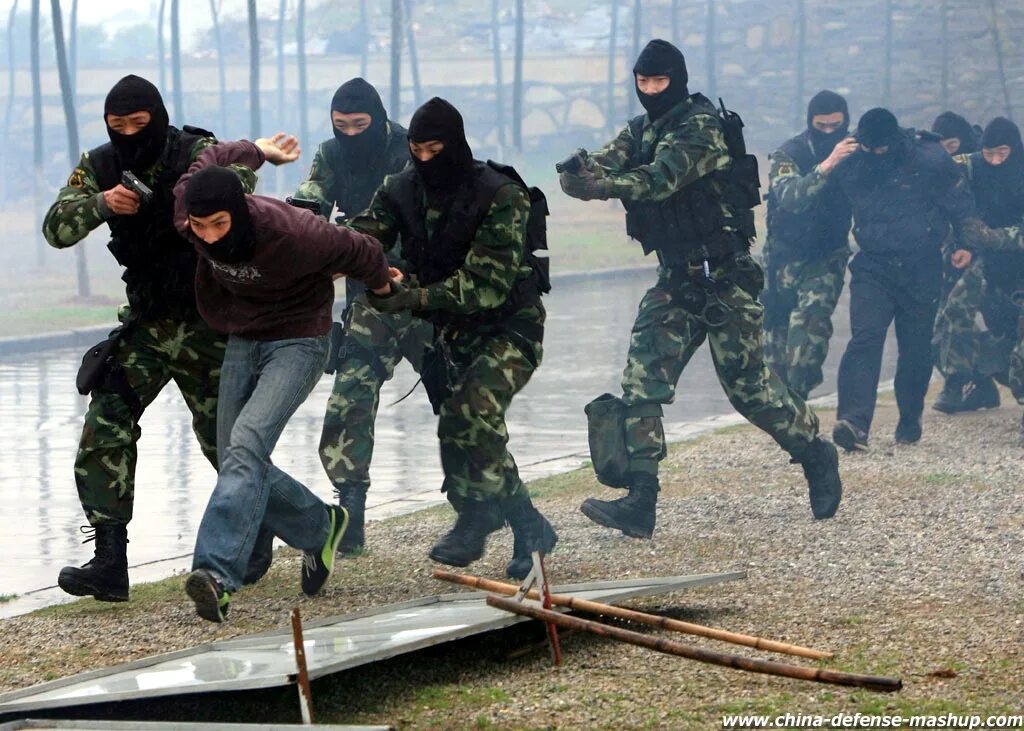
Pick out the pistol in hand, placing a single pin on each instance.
(573, 164)
(131, 181)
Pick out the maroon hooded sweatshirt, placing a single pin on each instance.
(286, 289)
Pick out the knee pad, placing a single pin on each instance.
(606, 434)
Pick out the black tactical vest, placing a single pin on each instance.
(354, 188)
(160, 264)
(816, 232)
(435, 257)
(1000, 204)
(691, 223)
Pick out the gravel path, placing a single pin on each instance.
(919, 575)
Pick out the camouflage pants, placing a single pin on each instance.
(154, 352)
(374, 345)
(964, 343)
(797, 345)
(490, 369)
(671, 325)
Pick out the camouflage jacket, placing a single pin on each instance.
(685, 148)
(80, 207)
(495, 260)
(331, 183)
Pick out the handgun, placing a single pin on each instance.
(307, 203)
(572, 164)
(131, 181)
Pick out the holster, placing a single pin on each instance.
(335, 356)
(435, 377)
(606, 433)
(100, 369)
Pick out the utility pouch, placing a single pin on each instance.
(435, 377)
(97, 364)
(606, 432)
(334, 359)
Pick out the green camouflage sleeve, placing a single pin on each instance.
(681, 157)
(248, 175)
(380, 219)
(493, 263)
(794, 192)
(614, 157)
(319, 181)
(79, 208)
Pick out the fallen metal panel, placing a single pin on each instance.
(333, 644)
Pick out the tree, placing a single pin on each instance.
(613, 34)
(73, 46)
(300, 51)
(9, 109)
(396, 58)
(499, 84)
(71, 122)
(364, 33)
(281, 121)
(179, 106)
(637, 21)
(254, 72)
(160, 44)
(709, 42)
(801, 50)
(37, 123)
(517, 81)
(221, 70)
(414, 62)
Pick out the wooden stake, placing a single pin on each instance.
(305, 694)
(768, 667)
(632, 615)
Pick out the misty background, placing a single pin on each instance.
(534, 80)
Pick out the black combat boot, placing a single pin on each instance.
(820, 462)
(983, 394)
(106, 575)
(633, 514)
(908, 429)
(531, 532)
(951, 399)
(353, 499)
(849, 437)
(467, 539)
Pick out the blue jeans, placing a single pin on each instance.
(262, 383)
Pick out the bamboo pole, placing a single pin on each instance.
(660, 644)
(632, 615)
(302, 673)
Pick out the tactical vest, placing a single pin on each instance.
(692, 223)
(433, 258)
(999, 204)
(814, 233)
(353, 189)
(160, 264)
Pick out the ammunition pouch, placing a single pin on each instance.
(100, 370)
(606, 433)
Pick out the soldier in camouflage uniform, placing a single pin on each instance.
(807, 246)
(971, 349)
(686, 200)
(346, 172)
(163, 337)
(471, 274)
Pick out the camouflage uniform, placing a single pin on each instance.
(805, 276)
(965, 342)
(689, 304)
(488, 364)
(374, 342)
(157, 347)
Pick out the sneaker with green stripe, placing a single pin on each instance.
(317, 566)
(211, 598)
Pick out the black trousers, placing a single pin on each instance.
(875, 302)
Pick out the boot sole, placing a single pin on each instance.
(75, 587)
(549, 545)
(825, 515)
(846, 439)
(205, 598)
(596, 514)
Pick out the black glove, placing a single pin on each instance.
(585, 186)
(400, 299)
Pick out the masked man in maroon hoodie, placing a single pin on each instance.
(265, 278)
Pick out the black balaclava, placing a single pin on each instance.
(826, 102)
(215, 189)
(1001, 131)
(439, 120)
(951, 124)
(661, 58)
(137, 152)
(878, 128)
(359, 96)
(1005, 189)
